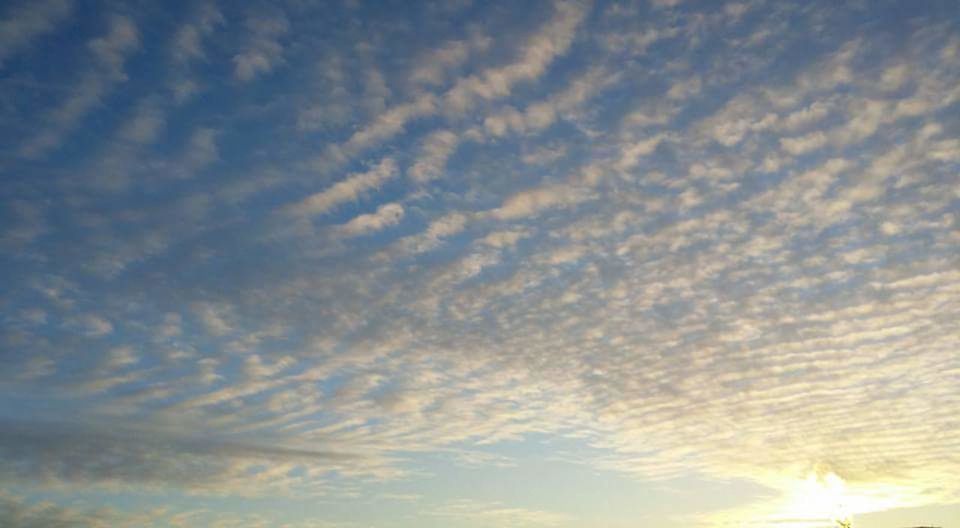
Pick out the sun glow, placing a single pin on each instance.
(826, 496)
(820, 497)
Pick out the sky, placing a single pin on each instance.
(479, 264)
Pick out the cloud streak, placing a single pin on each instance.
(109, 53)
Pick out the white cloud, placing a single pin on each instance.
(531, 202)
(538, 53)
(110, 52)
(17, 512)
(350, 189)
(187, 44)
(541, 114)
(798, 146)
(631, 153)
(94, 325)
(216, 318)
(502, 239)
(254, 367)
(806, 116)
(436, 65)
(445, 226)
(384, 126)
(264, 52)
(685, 89)
(894, 77)
(434, 152)
(865, 118)
(433, 67)
(385, 216)
(740, 116)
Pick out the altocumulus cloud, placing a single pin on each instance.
(462, 260)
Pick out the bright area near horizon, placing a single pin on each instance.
(478, 264)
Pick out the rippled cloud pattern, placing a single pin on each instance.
(479, 264)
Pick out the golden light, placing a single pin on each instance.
(819, 497)
(827, 497)
(822, 499)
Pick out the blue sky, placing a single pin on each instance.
(479, 264)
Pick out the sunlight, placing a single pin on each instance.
(823, 497)
(827, 496)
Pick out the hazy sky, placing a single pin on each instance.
(474, 264)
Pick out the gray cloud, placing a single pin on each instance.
(114, 456)
(17, 513)
(25, 23)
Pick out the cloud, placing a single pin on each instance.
(15, 512)
(434, 152)
(215, 317)
(25, 23)
(536, 55)
(544, 155)
(632, 153)
(25, 222)
(186, 48)
(685, 89)
(201, 149)
(501, 239)
(438, 229)
(798, 146)
(384, 126)
(113, 48)
(350, 189)
(667, 3)
(264, 52)
(385, 216)
(436, 65)
(145, 125)
(496, 513)
(806, 116)
(187, 43)
(741, 116)
(656, 257)
(94, 325)
(542, 114)
(114, 457)
(120, 357)
(533, 201)
(109, 52)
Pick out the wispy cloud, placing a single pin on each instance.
(385, 216)
(264, 51)
(110, 457)
(349, 189)
(109, 53)
(25, 23)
